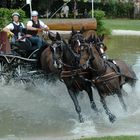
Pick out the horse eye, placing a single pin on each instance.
(52, 49)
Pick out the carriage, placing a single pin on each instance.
(82, 67)
(14, 63)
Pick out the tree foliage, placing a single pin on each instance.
(6, 15)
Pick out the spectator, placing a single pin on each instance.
(75, 9)
(65, 11)
(85, 14)
(137, 9)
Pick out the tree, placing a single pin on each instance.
(12, 3)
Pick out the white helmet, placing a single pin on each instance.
(34, 13)
(16, 14)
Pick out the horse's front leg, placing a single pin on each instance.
(112, 117)
(77, 107)
(90, 95)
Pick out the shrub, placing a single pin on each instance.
(99, 16)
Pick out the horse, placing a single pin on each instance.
(46, 60)
(107, 77)
(80, 37)
(72, 75)
(76, 38)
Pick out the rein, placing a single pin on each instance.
(66, 65)
(105, 78)
(72, 73)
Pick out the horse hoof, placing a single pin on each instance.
(94, 107)
(81, 120)
(112, 118)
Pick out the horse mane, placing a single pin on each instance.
(72, 54)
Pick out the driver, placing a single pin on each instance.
(34, 26)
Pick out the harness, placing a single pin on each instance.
(72, 73)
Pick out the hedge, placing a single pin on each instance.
(5, 16)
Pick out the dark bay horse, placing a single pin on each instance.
(72, 75)
(46, 60)
(108, 77)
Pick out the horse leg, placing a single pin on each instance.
(90, 95)
(112, 117)
(119, 94)
(77, 107)
(124, 92)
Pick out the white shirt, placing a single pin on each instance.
(42, 24)
(11, 26)
(65, 9)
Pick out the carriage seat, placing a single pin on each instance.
(23, 48)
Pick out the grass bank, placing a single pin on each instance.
(114, 138)
(123, 24)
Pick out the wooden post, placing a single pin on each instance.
(4, 43)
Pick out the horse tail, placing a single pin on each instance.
(127, 72)
(39, 54)
(130, 76)
(131, 80)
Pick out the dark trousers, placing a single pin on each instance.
(36, 41)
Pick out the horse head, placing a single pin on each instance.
(94, 50)
(57, 50)
(52, 36)
(76, 40)
(98, 41)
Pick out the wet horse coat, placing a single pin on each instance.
(73, 76)
(106, 76)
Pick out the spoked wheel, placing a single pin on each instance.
(21, 73)
(4, 71)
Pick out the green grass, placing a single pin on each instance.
(126, 24)
(114, 138)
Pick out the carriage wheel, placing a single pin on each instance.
(19, 72)
(4, 71)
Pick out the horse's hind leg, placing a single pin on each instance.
(112, 117)
(119, 94)
(77, 107)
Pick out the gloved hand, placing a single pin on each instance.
(10, 34)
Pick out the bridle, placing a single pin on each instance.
(58, 56)
(76, 41)
(100, 46)
(56, 60)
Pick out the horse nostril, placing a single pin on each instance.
(83, 66)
